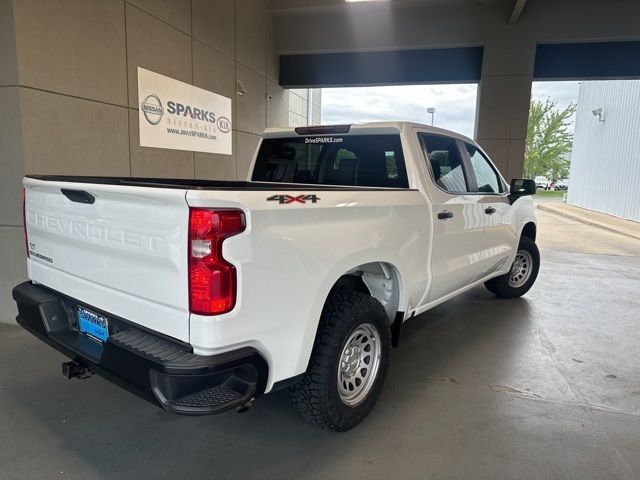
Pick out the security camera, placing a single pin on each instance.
(598, 112)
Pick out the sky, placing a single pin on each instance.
(455, 104)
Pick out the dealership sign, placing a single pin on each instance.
(180, 116)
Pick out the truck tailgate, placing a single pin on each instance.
(119, 248)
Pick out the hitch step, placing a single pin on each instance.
(75, 369)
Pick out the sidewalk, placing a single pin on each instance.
(602, 220)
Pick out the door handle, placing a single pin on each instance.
(78, 196)
(489, 210)
(444, 215)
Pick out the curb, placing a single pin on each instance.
(592, 223)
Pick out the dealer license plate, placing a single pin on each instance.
(92, 324)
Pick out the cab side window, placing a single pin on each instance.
(486, 177)
(445, 162)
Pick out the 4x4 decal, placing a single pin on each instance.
(285, 199)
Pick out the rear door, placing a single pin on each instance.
(458, 220)
(121, 249)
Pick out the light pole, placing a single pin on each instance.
(432, 111)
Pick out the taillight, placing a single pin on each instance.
(24, 223)
(212, 280)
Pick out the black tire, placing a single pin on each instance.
(316, 395)
(501, 287)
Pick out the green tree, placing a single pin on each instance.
(548, 140)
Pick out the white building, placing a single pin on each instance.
(605, 162)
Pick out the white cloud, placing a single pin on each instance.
(562, 92)
(455, 105)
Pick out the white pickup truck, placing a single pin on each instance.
(204, 295)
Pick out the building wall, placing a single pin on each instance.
(304, 106)
(605, 161)
(12, 247)
(68, 90)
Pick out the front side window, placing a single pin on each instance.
(487, 179)
(350, 160)
(445, 162)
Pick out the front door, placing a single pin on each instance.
(499, 239)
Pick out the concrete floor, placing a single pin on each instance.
(543, 387)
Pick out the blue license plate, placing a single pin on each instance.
(92, 324)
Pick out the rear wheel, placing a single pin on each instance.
(523, 273)
(348, 364)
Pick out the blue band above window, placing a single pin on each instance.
(599, 60)
(436, 65)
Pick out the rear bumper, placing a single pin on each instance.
(161, 370)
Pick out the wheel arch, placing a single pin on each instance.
(380, 280)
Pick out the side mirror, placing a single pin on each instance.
(522, 186)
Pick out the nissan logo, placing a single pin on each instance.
(152, 109)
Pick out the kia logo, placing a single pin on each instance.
(152, 109)
(224, 125)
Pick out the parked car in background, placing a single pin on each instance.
(562, 185)
(542, 182)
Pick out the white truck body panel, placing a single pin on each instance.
(126, 254)
(286, 267)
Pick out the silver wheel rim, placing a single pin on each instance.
(359, 364)
(521, 269)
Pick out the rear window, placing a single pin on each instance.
(352, 160)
